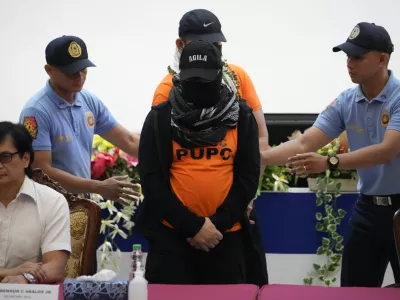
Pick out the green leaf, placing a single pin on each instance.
(325, 241)
(339, 247)
(316, 267)
(308, 281)
(319, 201)
(339, 239)
(321, 251)
(331, 227)
(329, 198)
(332, 268)
(334, 279)
(329, 252)
(341, 213)
(319, 226)
(328, 282)
(318, 216)
(321, 277)
(338, 186)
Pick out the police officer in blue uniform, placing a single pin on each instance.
(62, 119)
(370, 114)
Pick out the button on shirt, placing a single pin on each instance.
(66, 129)
(34, 223)
(366, 123)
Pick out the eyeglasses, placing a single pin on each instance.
(6, 157)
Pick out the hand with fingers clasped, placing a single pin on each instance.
(207, 238)
(118, 189)
(307, 163)
(20, 279)
(35, 269)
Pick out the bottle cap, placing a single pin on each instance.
(137, 247)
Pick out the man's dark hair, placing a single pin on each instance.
(21, 139)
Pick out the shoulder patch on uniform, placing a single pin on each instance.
(385, 118)
(31, 125)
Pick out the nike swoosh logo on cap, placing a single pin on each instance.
(206, 25)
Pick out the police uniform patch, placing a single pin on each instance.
(74, 50)
(31, 125)
(385, 118)
(89, 119)
(354, 33)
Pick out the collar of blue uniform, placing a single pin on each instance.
(384, 94)
(60, 101)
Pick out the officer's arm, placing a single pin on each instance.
(71, 183)
(373, 155)
(327, 127)
(123, 139)
(312, 139)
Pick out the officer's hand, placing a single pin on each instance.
(248, 211)
(207, 238)
(308, 163)
(118, 189)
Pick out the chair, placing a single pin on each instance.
(396, 232)
(85, 217)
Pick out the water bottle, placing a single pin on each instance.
(137, 289)
(137, 260)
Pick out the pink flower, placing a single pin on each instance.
(100, 163)
(130, 160)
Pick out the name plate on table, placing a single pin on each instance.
(30, 291)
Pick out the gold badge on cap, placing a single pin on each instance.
(74, 50)
(354, 33)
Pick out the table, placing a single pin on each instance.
(300, 292)
(118, 290)
(201, 292)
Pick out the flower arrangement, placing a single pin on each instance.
(108, 161)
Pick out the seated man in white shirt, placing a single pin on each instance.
(35, 240)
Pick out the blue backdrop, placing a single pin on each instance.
(287, 222)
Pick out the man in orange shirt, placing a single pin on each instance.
(201, 24)
(199, 168)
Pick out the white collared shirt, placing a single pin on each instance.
(35, 222)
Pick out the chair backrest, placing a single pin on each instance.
(396, 231)
(85, 219)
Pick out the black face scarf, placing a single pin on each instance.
(198, 127)
(202, 93)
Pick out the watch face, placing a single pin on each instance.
(333, 160)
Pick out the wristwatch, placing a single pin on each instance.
(333, 162)
(29, 277)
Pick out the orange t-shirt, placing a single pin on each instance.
(202, 177)
(246, 88)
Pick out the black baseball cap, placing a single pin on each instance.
(201, 24)
(366, 37)
(200, 59)
(69, 54)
